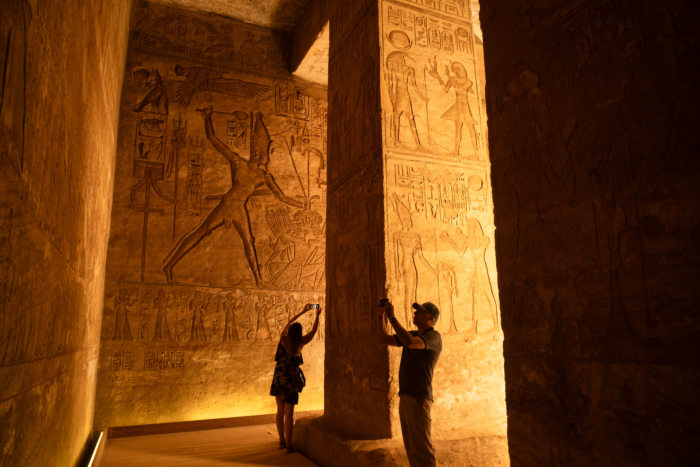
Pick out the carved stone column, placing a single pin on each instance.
(410, 215)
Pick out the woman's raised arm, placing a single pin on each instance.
(307, 338)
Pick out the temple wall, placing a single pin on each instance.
(595, 175)
(58, 127)
(192, 317)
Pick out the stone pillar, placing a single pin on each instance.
(410, 215)
(357, 368)
(595, 174)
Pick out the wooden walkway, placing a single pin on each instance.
(254, 445)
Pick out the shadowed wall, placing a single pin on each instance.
(595, 176)
(58, 126)
(217, 239)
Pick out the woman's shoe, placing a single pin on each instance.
(282, 444)
(290, 450)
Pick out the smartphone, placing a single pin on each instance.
(315, 306)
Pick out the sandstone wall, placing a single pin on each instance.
(193, 315)
(595, 175)
(58, 115)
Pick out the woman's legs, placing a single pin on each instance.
(279, 419)
(288, 424)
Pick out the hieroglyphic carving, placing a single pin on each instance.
(446, 195)
(203, 316)
(122, 304)
(149, 147)
(208, 80)
(440, 34)
(237, 131)
(163, 359)
(457, 8)
(258, 53)
(206, 39)
(195, 166)
(121, 361)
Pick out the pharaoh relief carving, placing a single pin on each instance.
(442, 250)
(231, 212)
(431, 89)
(290, 249)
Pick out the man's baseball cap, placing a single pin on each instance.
(428, 308)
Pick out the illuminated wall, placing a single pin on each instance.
(59, 94)
(438, 204)
(209, 257)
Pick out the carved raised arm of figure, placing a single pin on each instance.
(213, 139)
(279, 194)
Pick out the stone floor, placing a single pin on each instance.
(254, 445)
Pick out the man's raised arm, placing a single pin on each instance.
(384, 338)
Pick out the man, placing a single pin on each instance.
(421, 350)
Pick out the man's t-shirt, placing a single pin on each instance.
(416, 370)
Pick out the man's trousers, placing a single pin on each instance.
(415, 427)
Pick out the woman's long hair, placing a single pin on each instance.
(294, 338)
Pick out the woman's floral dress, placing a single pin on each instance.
(288, 379)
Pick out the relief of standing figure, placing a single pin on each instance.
(398, 76)
(460, 112)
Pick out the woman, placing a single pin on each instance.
(288, 379)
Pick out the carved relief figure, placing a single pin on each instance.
(460, 112)
(155, 98)
(122, 304)
(161, 329)
(262, 331)
(198, 305)
(409, 251)
(230, 305)
(398, 77)
(246, 177)
(207, 80)
(447, 289)
(478, 283)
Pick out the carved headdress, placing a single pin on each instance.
(259, 142)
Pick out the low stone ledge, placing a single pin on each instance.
(325, 446)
